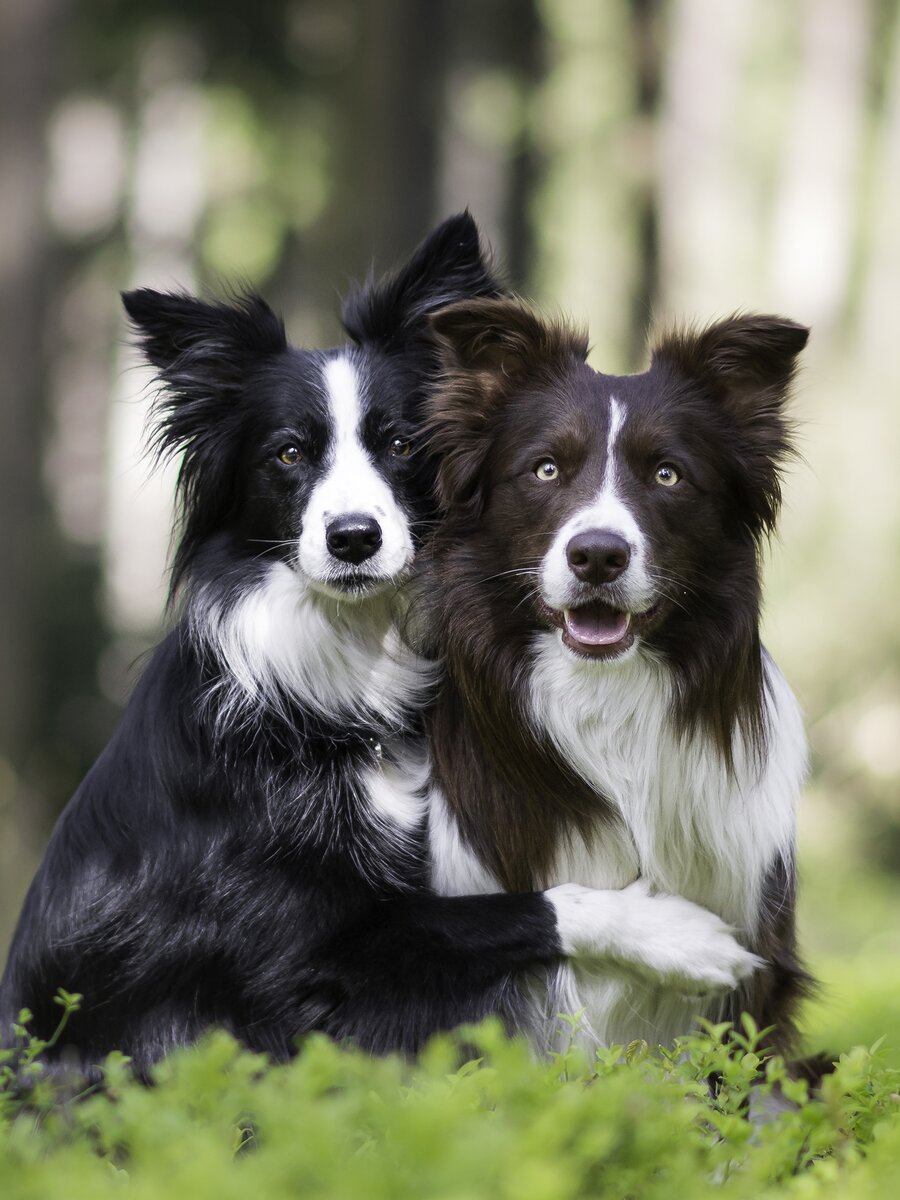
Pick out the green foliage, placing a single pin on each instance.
(21, 1070)
(223, 1123)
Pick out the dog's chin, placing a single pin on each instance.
(355, 588)
(601, 632)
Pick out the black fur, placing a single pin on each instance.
(222, 863)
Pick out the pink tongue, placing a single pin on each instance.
(596, 624)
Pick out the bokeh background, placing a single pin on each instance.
(630, 162)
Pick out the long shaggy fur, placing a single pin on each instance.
(678, 758)
(249, 849)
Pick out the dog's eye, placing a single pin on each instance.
(289, 455)
(400, 447)
(666, 475)
(547, 471)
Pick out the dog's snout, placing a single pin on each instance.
(597, 555)
(353, 537)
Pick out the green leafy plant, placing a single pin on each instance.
(22, 1072)
(628, 1122)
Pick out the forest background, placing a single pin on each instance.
(631, 162)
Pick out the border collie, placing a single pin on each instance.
(610, 716)
(246, 850)
(249, 851)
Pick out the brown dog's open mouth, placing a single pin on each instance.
(598, 630)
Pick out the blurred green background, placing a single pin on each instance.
(630, 162)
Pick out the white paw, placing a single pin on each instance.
(679, 944)
(668, 940)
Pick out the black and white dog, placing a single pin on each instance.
(610, 716)
(249, 850)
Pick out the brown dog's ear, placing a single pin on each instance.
(486, 348)
(747, 363)
(504, 337)
(749, 360)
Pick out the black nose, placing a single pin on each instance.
(597, 556)
(353, 537)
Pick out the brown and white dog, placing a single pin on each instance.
(609, 715)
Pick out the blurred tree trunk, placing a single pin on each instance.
(495, 60)
(705, 204)
(586, 211)
(525, 45)
(646, 19)
(877, 321)
(816, 207)
(394, 115)
(29, 33)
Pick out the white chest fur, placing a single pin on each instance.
(345, 660)
(694, 828)
(687, 825)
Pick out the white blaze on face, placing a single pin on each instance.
(607, 512)
(351, 484)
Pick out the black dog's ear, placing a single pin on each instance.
(747, 363)
(486, 348)
(173, 327)
(451, 264)
(202, 353)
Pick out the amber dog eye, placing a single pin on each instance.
(289, 455)
(547, 471)
(400, 448)
(666, 475)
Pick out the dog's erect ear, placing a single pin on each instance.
(747, 363)
(504, 340)
(449, 265)
(202, 353)
(486, 349)
(175, 329)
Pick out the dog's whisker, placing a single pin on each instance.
(516, 571)
(528, 595)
